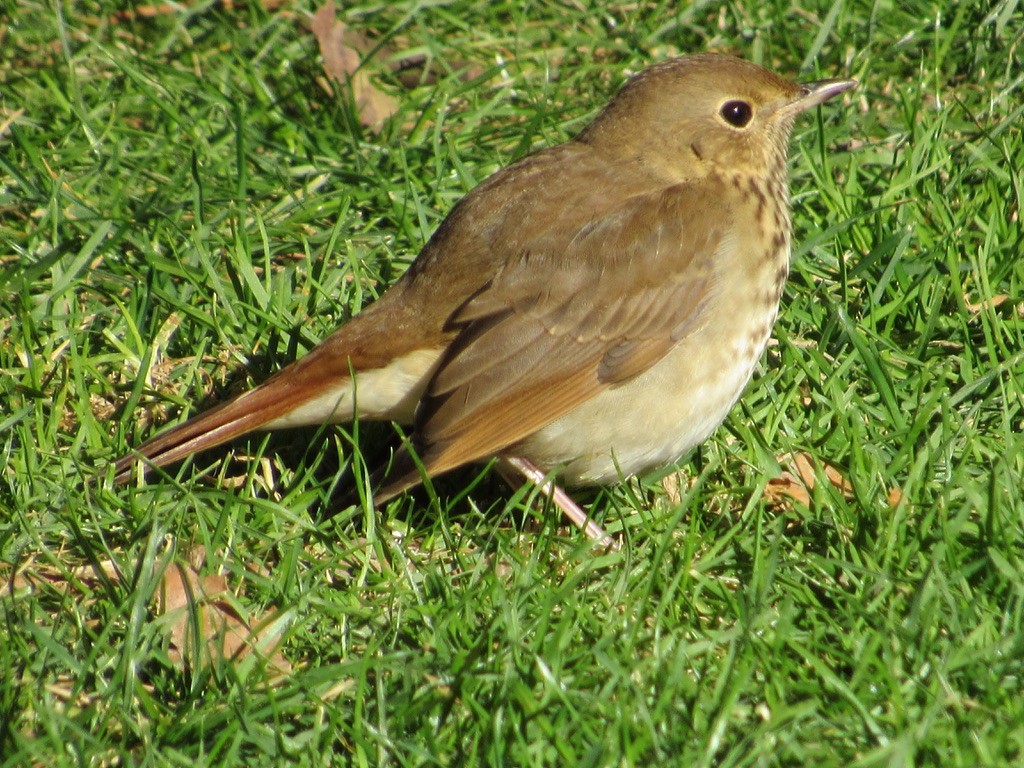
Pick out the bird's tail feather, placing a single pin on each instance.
(278, 400)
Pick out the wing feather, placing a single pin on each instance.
(575, 313)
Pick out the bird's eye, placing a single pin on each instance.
(736, 113)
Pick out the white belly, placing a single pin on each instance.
(657, 417)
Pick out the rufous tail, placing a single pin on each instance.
(274, 401)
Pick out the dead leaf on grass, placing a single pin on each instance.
(799, 477)
(676, 485)
(977, 307)
(343, 51)
(670, 484)
(895, 496)
(191, 605)
(198, 606)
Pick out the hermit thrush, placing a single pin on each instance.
(587, 313)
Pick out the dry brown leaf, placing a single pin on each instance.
(676, 485)
(190, 603)
(787, 486)
(992, 303)
(343, 51)
(895, 496)
(670, 484)
(798, 479)
(201, 606)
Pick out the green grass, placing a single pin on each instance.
(184, 208)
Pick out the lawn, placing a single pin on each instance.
(189, 200)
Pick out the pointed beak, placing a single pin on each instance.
(813, 94)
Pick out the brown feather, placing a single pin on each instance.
(531, 348)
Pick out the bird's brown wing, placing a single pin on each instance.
(572, 313)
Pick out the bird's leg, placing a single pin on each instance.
(558, 496)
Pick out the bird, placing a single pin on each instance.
(588, 313)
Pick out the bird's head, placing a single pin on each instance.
(691, 115)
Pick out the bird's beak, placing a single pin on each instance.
(813, 94)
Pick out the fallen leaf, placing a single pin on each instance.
(343, 51)
(799, 477)
(992, 303)
(895, 496)
(191, 605)
(787, 486)
(670, 484)
(197, 606)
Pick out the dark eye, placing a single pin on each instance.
(736, 113)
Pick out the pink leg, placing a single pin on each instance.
(560, 499)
